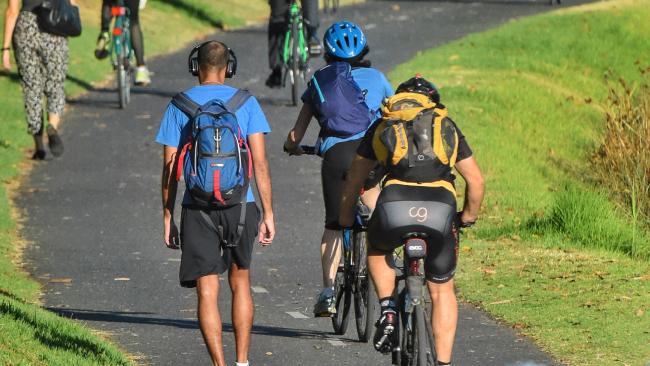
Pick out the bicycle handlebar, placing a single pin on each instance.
(306, 150)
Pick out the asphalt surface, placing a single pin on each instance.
(94, 214)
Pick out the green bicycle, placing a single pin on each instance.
(295, 52)
(122, 51)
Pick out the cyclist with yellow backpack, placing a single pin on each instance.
(419, 145)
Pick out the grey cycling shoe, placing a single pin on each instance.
(326, 304)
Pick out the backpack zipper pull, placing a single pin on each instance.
(217, 141)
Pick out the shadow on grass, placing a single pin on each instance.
(55, 333)
(195, 12)
(143, 318)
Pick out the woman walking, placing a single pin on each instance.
(42, 60)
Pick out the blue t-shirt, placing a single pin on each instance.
(378, 88)
(174, 128)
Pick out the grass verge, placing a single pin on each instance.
(554, 256)
(30, 335)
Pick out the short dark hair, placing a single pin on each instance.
(357, 61)
(213, 56)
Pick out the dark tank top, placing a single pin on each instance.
(29, 5)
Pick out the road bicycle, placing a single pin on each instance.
(295, 52)
(416, 341)
(352, 281)
(330, 6)
(416, 344)
(122, 51)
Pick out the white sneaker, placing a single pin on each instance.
(142, 76)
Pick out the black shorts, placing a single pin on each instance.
(336, 162)
(404, 209)
(202, 253)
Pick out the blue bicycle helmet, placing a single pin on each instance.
(344, 40)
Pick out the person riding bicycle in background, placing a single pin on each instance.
(278, 26)
(413, 99)
(142, 75)
(345, 49)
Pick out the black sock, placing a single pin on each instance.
(444, 363)
(387, 304)
(38, 140)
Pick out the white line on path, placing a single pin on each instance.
(259, 290)
(297, 315)
(336, 343)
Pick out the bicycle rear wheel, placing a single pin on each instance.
(343, 293)
(123, 79)
(365, 297)
(426, 352)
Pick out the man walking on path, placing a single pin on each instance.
(205, 230)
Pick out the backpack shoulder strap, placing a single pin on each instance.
(185, 104)
(238, 100)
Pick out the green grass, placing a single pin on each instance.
(30, 335)
(530, 97)
(585, 307)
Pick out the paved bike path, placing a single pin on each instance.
(94, 214)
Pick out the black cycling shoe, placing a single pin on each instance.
(275, 79)
(315, 47)
(54, 142)
(385, 335)
(38, 155)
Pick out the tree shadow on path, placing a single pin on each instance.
(148, 318)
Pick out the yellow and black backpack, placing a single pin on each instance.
(416, 142)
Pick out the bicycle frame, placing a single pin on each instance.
(412, 300)
(121, 33)
(295, 17)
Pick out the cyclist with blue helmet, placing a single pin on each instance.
(344, 42)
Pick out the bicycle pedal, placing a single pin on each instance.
(324, 315)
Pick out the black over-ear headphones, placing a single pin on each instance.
(193, 60)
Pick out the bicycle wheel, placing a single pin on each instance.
(426, 352)
(343, 293)
(365, 297)
(295, 63)
(123, 79)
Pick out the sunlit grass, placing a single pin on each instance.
(553, 254)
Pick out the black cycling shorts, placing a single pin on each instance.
(336, 162)
(202, 253)
(402, 210)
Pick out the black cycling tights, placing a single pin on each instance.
(136, 31)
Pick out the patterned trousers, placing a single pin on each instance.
(42, 60)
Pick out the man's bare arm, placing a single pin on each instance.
(298, 131)
(168, 190)
(357, 175)
(475, 188)
(263, 179)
